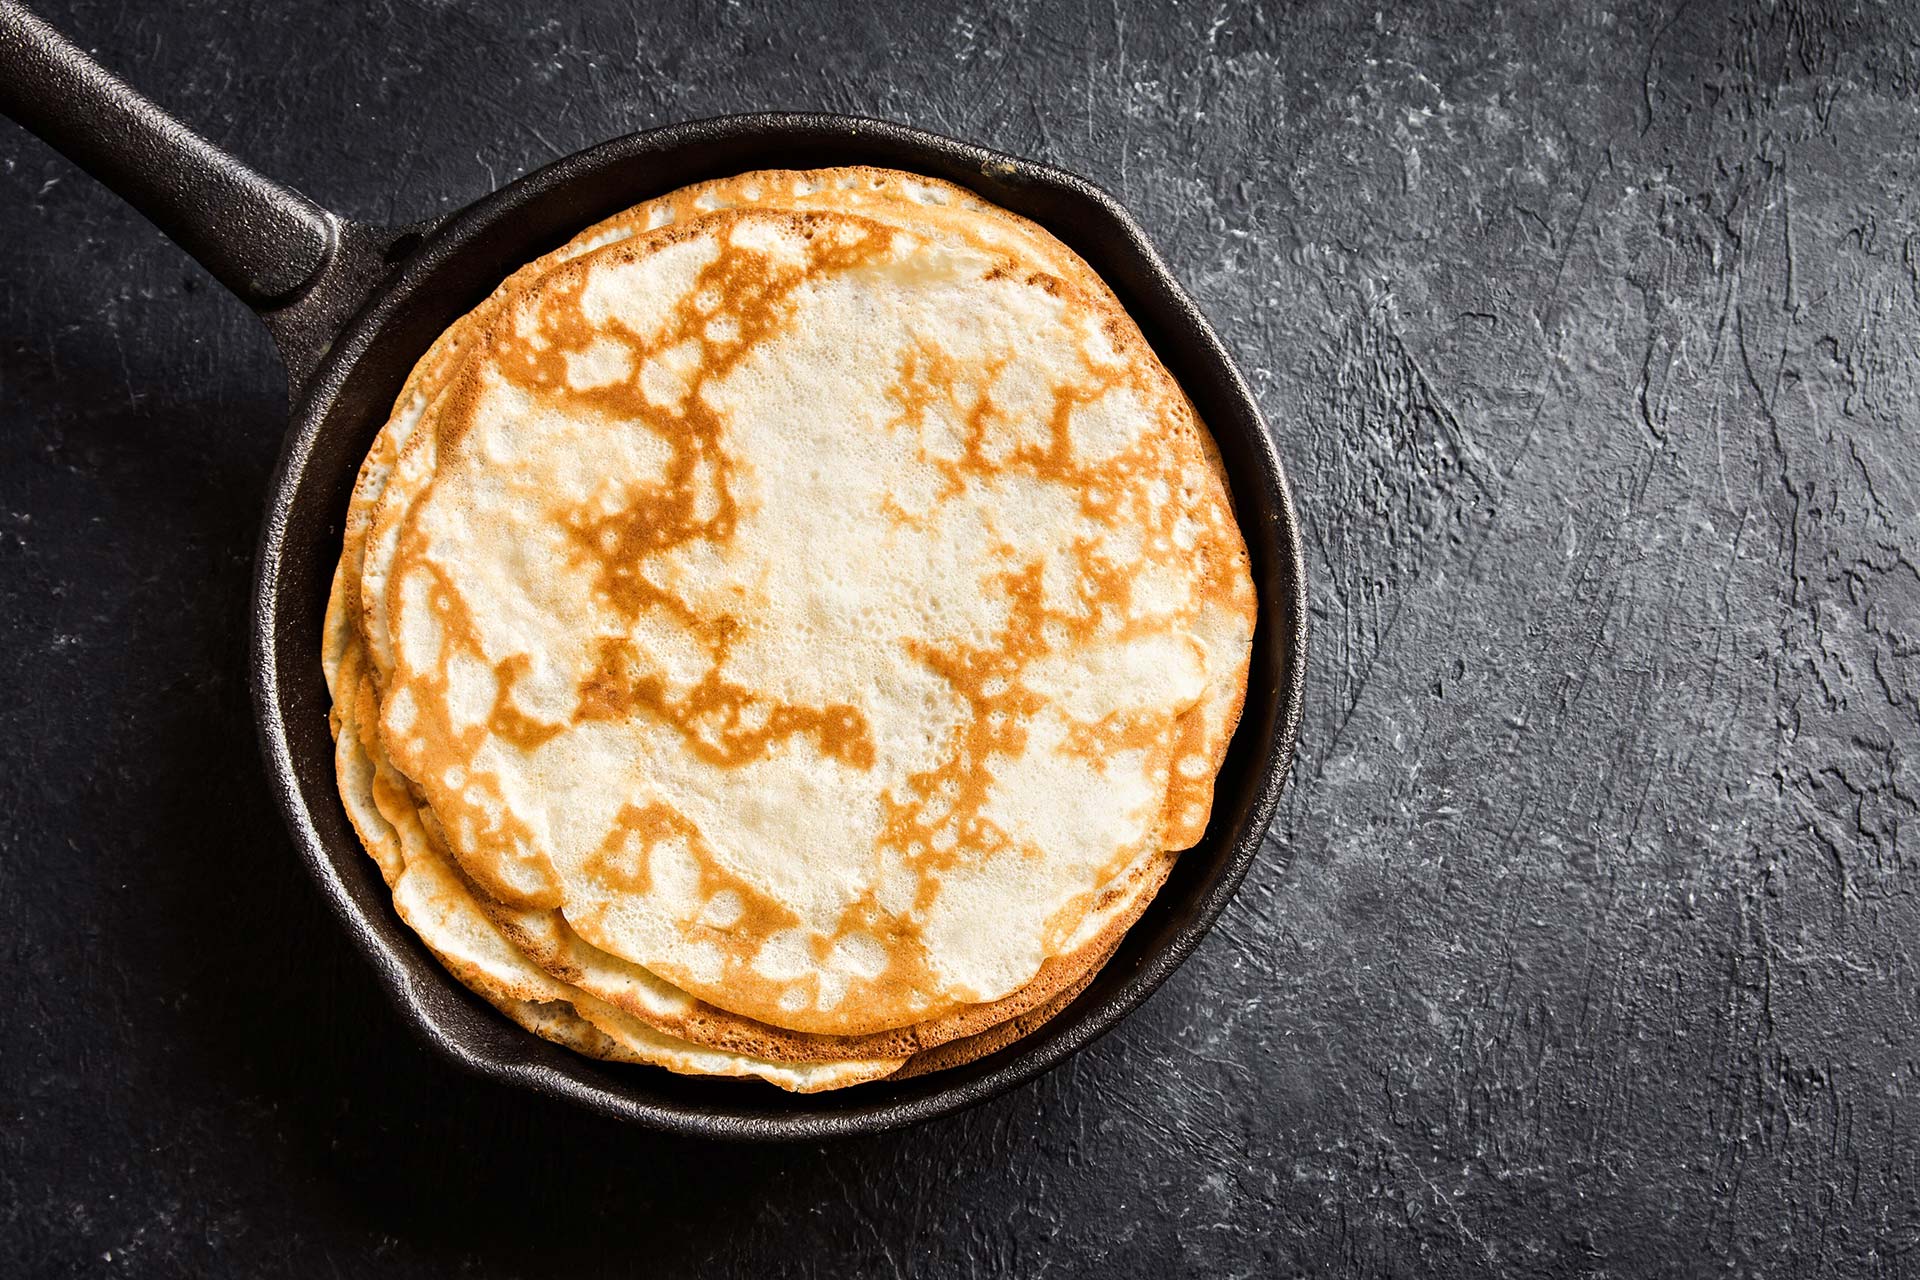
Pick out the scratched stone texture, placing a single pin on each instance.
(1586, 942)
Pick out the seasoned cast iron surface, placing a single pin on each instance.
(1589, 335)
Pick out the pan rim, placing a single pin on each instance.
(412, 988)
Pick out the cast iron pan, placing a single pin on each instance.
(351, 307)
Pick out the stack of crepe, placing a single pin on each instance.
(787, 632)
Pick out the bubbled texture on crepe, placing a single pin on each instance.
(1220, 620)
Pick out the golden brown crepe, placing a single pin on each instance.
(794, 625)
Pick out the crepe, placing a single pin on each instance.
(805, 615)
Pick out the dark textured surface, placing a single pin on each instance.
(1591, 338)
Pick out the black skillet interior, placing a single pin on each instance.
(450, 271)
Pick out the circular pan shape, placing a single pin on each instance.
(456, 265)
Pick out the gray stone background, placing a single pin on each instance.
(1589, 332)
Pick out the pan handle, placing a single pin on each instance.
(303, 269)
